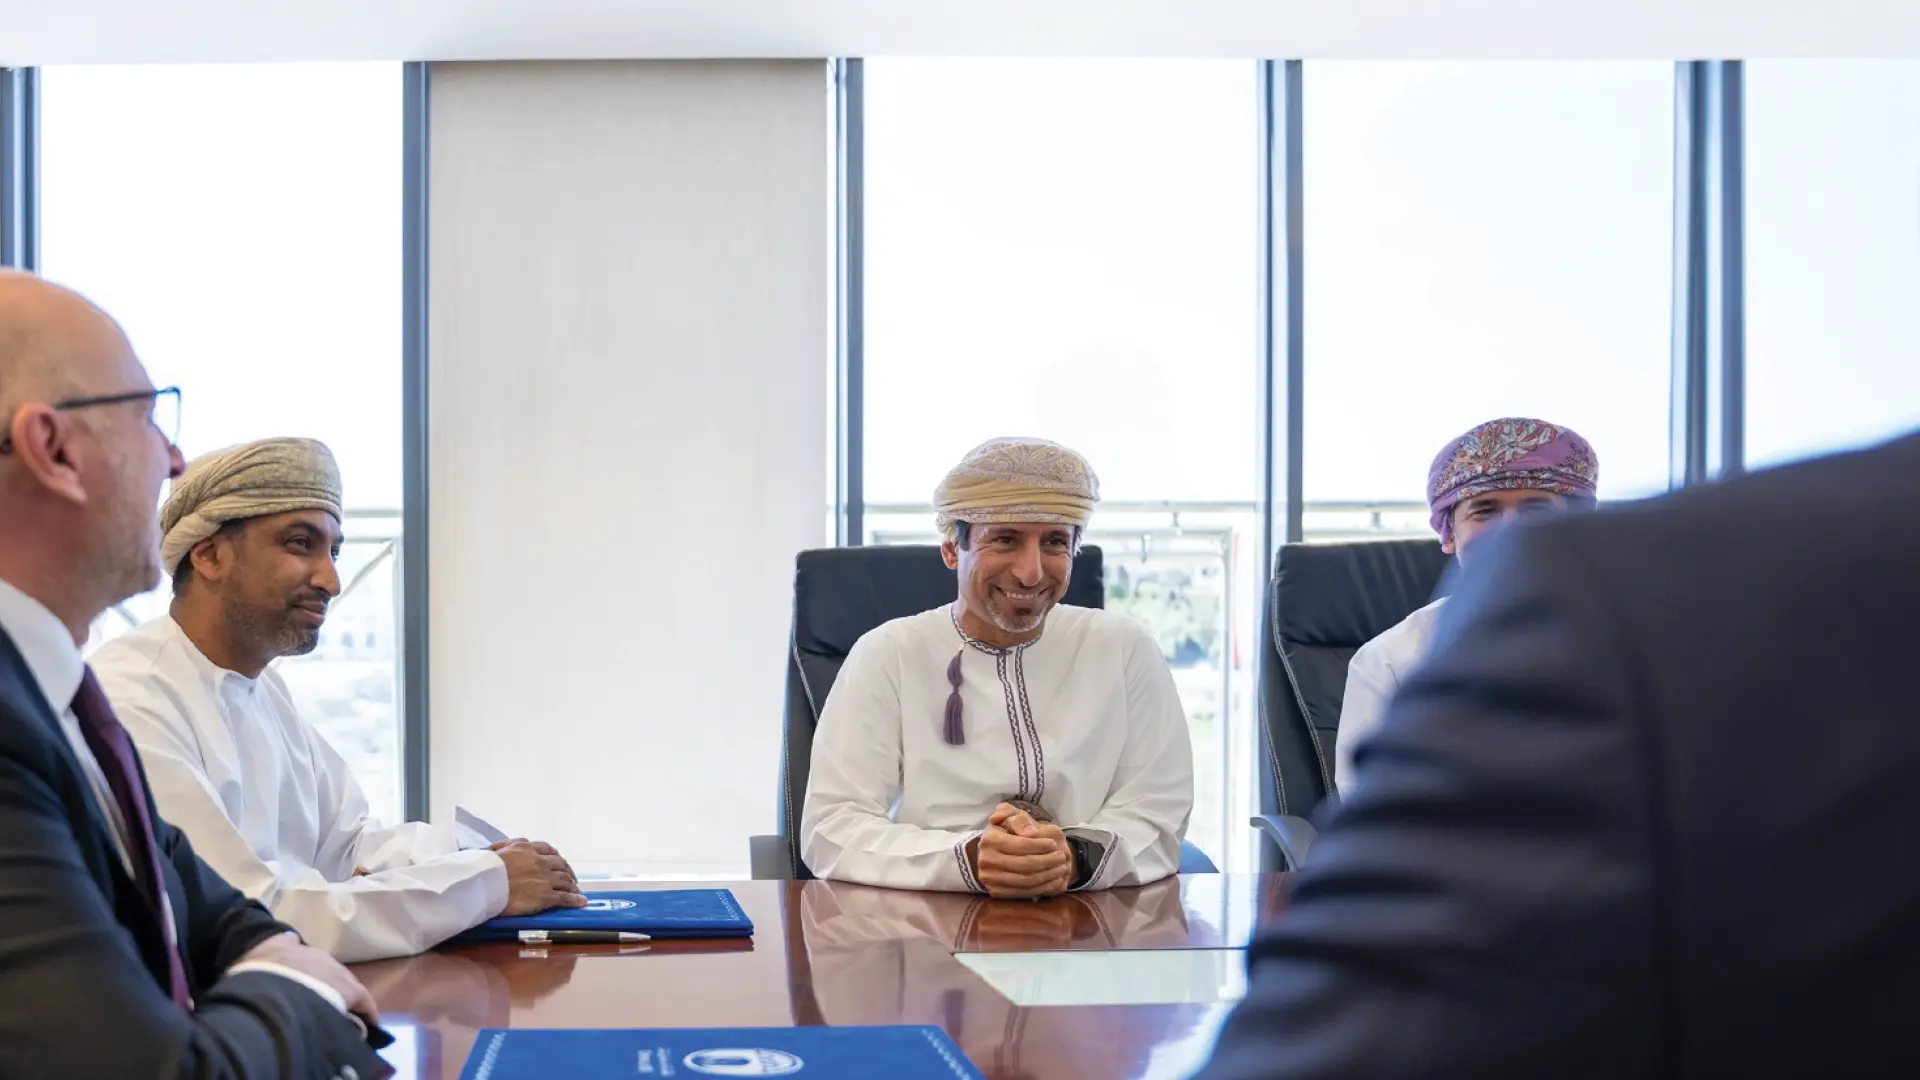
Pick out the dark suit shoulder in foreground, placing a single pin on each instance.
(81, 1000)
(1645, 811)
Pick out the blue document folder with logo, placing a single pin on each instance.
(665, 913)
(821, 1053)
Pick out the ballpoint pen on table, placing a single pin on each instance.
(581, 937)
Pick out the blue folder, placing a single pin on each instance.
(825, 1053)
(669, 913)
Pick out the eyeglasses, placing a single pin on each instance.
(165, 414)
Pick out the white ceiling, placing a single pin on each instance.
(119, 31)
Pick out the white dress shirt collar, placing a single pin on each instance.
(45, 643)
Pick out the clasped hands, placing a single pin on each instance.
(1018, 858)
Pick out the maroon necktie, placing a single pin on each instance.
(114, 753)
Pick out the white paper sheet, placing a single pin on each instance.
(475, 831)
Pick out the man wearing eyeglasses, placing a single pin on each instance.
(121, 953)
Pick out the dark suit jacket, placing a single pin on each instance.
(82, 967)
(1651, 808)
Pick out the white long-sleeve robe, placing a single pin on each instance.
(1374, 675)
(272, 807)
(1085, 721)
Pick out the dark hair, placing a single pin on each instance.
(964, 529)
(183, 571)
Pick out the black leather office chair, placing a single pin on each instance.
(1325, 601)
(838, 595)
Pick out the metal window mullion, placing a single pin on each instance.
(1709, 318)
(1729, 319)
(1281, 359)
(415, 761)
(850, 418)
(20, 168)
(1686, 455)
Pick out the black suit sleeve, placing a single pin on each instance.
(1484, 900)
(221, 923)
(80, 1004)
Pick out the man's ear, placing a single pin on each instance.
(43, 441)
(950, 554)
(213, 557)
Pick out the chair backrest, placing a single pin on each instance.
(840, 594)
(1325, 601)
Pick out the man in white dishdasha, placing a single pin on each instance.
(1004, 743)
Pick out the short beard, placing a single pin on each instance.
(277, 636)
(1014, 624)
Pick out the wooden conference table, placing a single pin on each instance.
(831, 953)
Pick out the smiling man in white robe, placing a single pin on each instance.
(251, 535)
(1004, 743)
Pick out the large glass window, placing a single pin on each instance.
(1068, 249)
(1482, 240)
(243, 224)
(1833, 254)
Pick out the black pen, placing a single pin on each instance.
(581, 937)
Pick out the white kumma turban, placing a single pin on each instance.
(1018, 480)
(258, 479)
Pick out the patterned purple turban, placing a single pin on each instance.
(1509, 455)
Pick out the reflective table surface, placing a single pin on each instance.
(831, 953)
(1113, 976)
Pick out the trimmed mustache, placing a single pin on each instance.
(315, 600)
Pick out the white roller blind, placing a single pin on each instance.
(630, 326)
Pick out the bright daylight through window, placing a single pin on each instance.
(1833, 255)
(243, 224)
(1482, 240)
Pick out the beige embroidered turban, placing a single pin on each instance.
(258, 479)
(1018, 480)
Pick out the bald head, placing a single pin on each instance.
(81, 457)
(54, 343)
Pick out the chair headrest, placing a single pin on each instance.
(841, 593)
(1346, 595)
